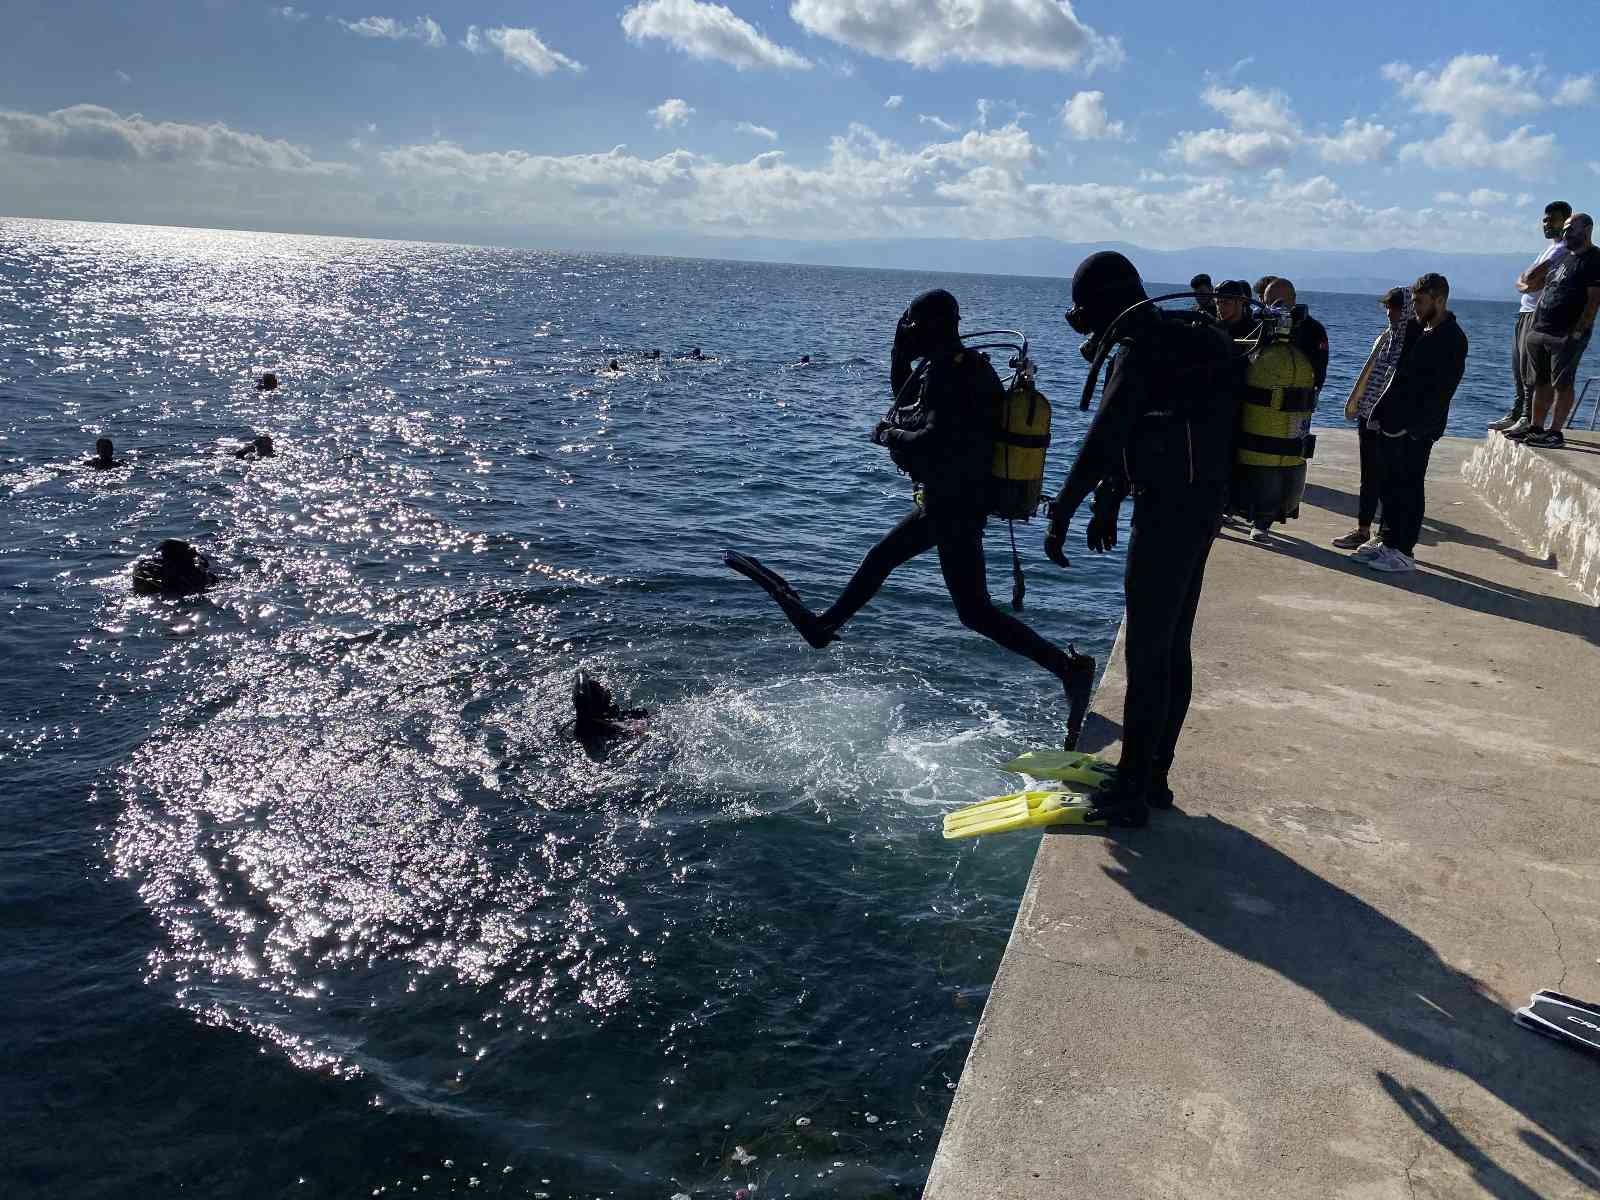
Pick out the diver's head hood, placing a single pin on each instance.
(1104, 285)
(934, 320)
(591, 699)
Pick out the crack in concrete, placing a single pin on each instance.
(1554, 932)
(1411, 1185)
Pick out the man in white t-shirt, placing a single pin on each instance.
(1529, 284)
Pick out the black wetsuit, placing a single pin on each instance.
(1166, 426)
(944, 440)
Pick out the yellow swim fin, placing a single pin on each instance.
(1065, 766)
(1020, 810)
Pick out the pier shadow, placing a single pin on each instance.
(1370, 969)
(1434, 530)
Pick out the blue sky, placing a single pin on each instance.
(1360, 126)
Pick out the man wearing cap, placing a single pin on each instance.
(1369, 386)
(1233, 308)
(1204, 298)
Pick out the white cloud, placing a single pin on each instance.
(760, 131)
(1252, 108)
(1471, 88)
(1038, 34)
(1008, 147)
(88, 131)
(708, 31)
(1237, 148)
(894, 101)
(424, 29)
(1262, 131)
(1574, 92)
(1449, 198)
(671, 112)
(1357, 142)
(1486, 198)
(521, 48)
(288, 12)
(123, 77)
(938, 122)
(1465, 147)
(1084, 117)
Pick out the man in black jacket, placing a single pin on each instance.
(1166, 428)
(1411, 416)
(941, 432)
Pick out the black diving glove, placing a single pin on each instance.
(1102, 532)
(880, 431)
(1055, 538)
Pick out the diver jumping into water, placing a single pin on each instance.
(943, 437)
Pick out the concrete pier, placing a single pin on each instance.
(1300, 982)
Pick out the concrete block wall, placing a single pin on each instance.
(1550, 498)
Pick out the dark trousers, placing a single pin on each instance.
(1405, 466)
(1173, 528)
(1371, 474)
(1520, 380)
(960, 544)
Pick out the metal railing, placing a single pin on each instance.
(1594, 413)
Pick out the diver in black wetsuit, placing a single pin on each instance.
(1166, 429)
(941, 434)
(105, 456)
(176, 568)
(1233, 308)
(597, 720)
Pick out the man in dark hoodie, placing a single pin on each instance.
(1165, 429)
(1411, 416)
(941, 432)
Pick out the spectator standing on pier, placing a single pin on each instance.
(1369, 386)
(1204, 296)
(1562, 325)
(1411, 416)
(1520, 419)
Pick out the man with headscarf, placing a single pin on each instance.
(1369, 386)
(1165, 429)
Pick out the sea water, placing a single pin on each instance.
(303, 890)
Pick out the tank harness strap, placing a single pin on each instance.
(1294, 399)
(1024, 441)
(1260, 444)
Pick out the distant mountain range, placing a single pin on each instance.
(1472, 276)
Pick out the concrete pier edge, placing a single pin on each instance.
(1300, 982)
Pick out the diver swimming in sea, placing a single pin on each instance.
(104, 456)
(176, 568)
(597, 721)
(267, 383)
(259, 446)
(943, 436)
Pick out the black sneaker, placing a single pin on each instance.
(1522, 431)
(1505, 422)
(1546, 439)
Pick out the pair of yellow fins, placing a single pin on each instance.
(1039, 806)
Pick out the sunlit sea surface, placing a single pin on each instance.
(302, 890)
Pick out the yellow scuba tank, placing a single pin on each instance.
(1275, 437)
(1022, 435)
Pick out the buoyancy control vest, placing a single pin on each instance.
(1274, 439)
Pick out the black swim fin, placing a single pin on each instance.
(1564, 1018)
(1079, 685)
(816, 634)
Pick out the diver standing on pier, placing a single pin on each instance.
(1165, 430)
(946, 417)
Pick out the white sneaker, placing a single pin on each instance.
(1392, 560)
(1369, 550)
(1260, 535)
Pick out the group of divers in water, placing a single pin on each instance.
(1205, 415)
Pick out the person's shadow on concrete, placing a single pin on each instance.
(1370, 969)
(1449, 586)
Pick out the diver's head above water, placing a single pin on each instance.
(1104, 286)
(592, 703)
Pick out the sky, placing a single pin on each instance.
(646, 125)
